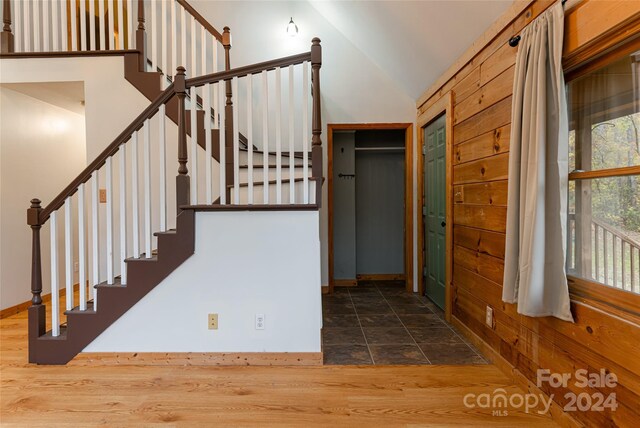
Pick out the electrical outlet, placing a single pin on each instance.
(103, 196)
(213, 321)
(260, 322)
(489, 316)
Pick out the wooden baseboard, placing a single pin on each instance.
(325, 289)
(345, 282)
(198, 359)
(21, 307)
(557, 414)
(382, 277)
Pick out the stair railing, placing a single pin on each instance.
(259, 89)
(112, 238)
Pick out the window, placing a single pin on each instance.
(604, 183)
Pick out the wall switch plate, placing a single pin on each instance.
(213, 321)
(103, 196)
(259, 321)
(489, 316)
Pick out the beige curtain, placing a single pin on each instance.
(534, 275)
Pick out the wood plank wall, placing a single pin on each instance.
(482, 90)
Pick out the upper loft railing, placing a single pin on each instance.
(167, 33)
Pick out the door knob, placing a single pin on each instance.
(443, 224)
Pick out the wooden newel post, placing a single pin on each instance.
(6, 38)
(228, 112)
(183, 184)
(316, 124)
(37, 311)
(141, 38)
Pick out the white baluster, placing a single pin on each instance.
(174, 39)
(147, 188)
(278, 137)
(82, 249)
(203, 52)
(164, 45)
(55, 292)
(194, 119)
(111, 34)
(163, 168)
(27, 42)
(123, 214)
(83, 25)
(135, 221)
(183, 39)
(154, 38)
(223, 184)
(74, 28)
(292, 188)
(206, 99)
(265, 137)
(305, 131)
(46, 15)
(92, 25)
(109, 188)
(55, 30)
(36, 27)
(68, 253)
(17, 28)
(250, 138)
(95, 236)
(120, 24)
(131, 23)
(102, 27)
(236, 144)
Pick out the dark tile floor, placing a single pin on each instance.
(380, 323)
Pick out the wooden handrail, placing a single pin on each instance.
(200, 19)
(110, 150)
(248, 69)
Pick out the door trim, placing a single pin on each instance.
(443, 105)
(408, 193)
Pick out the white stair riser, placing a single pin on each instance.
(258, 159)
(258, 192)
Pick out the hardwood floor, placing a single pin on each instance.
(218, 396)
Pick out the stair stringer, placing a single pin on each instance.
(174, 247)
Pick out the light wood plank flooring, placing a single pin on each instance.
(83, 396)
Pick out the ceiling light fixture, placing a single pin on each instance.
(292, 28)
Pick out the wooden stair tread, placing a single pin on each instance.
(261, 183)
(76, 310)
(116, 284)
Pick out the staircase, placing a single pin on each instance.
(233, 154)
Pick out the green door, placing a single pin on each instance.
(434, 211)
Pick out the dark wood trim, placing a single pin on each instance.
(408, 204)
(6, 37)
(257, 207)
(66, 54)
(248, 69)
(344, 283)
(444, 105)
(110, 150)
(207, 26)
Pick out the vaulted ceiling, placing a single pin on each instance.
(413, 42)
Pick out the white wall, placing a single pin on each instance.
(354, 89)
(42, 148)
(245, 263)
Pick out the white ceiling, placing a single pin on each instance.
(412, 41)
(66, 95)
